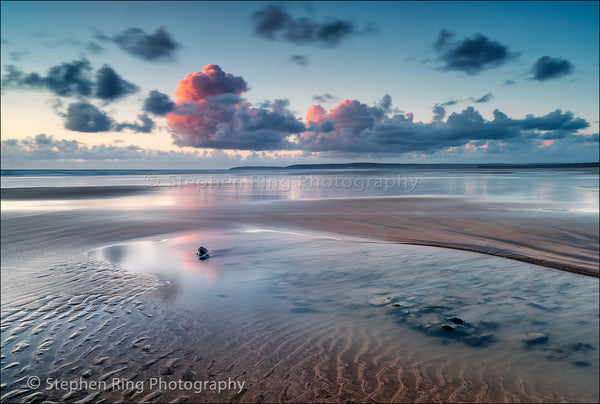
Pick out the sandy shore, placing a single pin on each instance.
(77, 317)
(568, 243)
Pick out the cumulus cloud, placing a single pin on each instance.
(110, 86)
(484, 98)
(547, 68)
(146, 125)
(150, 47)
(301, 60)
(471, 55)
(360, 129)
(210, 113)
(84, 117)
(275, 23)
(158, 103)
(72, 79)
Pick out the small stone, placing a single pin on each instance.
(457, 320)
(202, 253)
(448, 327)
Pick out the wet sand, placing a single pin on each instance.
(543, 238)
(68, 316)
(568, 242)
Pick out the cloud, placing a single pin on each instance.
(547, 68)
(212, 81)
(158, 103)
(18, 55)
(368, 130)
(273, 22)
(145, 127)
(439, 112)
(46, 147)
(94, 47)
(508, 83)
(302, 60)
(484, 98)
(72, 79)
(449, 103)
(150, 47)
(110, 86)
(45, 151)
(471, 55)
(210, 113)
(324, 98)
(84, 117)
(66, 79)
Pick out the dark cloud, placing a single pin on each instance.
(145, 127)
(209, 113)
(302, 60)
(324, 98)
(66, 79)
(471, 55)
(72, 79)
(274, 23)
(110, 86)
(449, 103)
(386, 102)
(151, 47)
(547, 68)
(84, 117)
(158, 103)
(484, 98)
(439, 113)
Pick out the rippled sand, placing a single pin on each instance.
(297, 317)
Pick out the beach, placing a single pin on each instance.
(318, 295)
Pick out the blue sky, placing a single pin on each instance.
(509, 82)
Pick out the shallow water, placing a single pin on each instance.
(382, 289)
(558, 190)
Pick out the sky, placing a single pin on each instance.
(211, 85)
